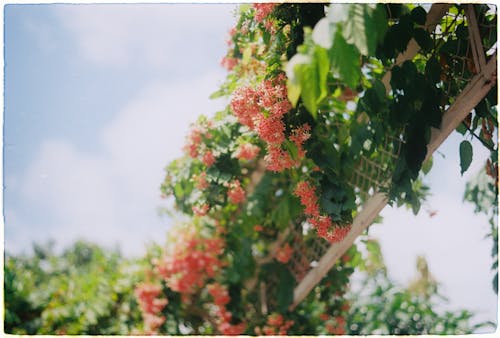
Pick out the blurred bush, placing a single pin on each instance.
(84, 290)
(90, 290)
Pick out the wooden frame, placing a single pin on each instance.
(472, 94)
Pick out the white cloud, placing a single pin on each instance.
(75, 187)
(453, 241)
(112, 196)
(151, 35)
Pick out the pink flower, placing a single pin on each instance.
(246, 151)
(200, 210)
(245, 106)
(232, 329)
(191, 149)
(229, 62)
(152, 323)
(270, 27)
(235, 193)
(308, 198)
(219, 293)
(201, 181)
(299, 136)
(150, 305)
(208, 158)
(278, 159)
(284, 254)
(258, 228)
(338, 233)
(271, 129)
(262, 10)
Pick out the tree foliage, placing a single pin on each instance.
(84, 290)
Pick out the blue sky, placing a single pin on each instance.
(97, 102)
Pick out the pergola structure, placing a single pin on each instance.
(310, 263)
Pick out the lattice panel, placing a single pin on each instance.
(466, 56)
(372, 174)
(306, 253)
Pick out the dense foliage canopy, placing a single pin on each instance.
(83, 290)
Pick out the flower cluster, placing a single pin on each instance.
(201, 181)
(221, 299)
(193, 260)
(200, 210)
(262, 110)
(276, 325)
(195, 147)
(208, 158)
(235, 192)
(284, 254)
(246, 151)
(262, 10)
(336, 325)
(322, 223)
(229, 62)
(299, 136)
(150, 305)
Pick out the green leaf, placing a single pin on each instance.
(419, 15)
(374, 101)
(461, 129)
(345, 60)
(365, 27)
(247, 55)
(427, 166)
(312, 78)
(217, 94)
(293, 92)
(355, 30)
(323, 33)
(285, 289)
(292, 149)
(281, 214)
(402, 33)
(433, 70)
(423, 39)
(293, 81)
(465, 156)
(380, 22)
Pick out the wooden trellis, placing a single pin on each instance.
(477, 88)
(311, 261)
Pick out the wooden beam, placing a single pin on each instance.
(475, 39)
(472, 94)
(363, 219)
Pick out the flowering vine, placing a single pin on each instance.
(307, 109)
